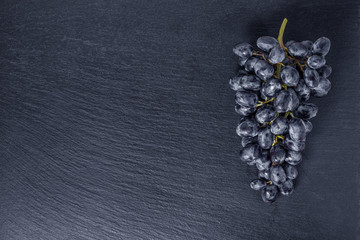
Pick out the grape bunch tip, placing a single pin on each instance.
(272, 88)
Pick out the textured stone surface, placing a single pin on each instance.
(117, 122)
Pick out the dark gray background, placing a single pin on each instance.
(117, 122)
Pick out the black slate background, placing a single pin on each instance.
(117, 122)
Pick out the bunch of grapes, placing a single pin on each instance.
(272, 88)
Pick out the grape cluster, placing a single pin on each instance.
(272, 88)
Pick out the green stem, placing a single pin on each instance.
(281, 43)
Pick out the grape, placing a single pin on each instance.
(278, 154)
(246, 98)
(308, 44)
(247, 140)
(286, 100)
(258, 184)
(306, 110)
(273, 108)
(277, 175)
(290, 76)
(266, 43)
(325, 71)
(250, 82)
(323, 88)
(251, 152)
(291, 172)
(243, 50)
(265, 114)
(264, 174)
(311, 78)
(279, 126)
(321, 46)
(302, 90)
(265, 138)
(263, 70)
(297, 49)
(248, 128)
(244, 111)
(271, 87)
(293, 145)
(308, 126)
(287, 188)
(277, 54)
(250, 63)
(297, 129)
(293, 157)
(316, 61)
(269, 193)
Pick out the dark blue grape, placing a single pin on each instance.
(268, 193)
(265, 114)
(316, 61)
(308, 44)
(250, 153)
(242, 61)
(243, 50)
(244, 111)
(258, 184)
(287, 188)
(290, 76)
(264, 162)
(264, 174)
(246, 98)
(297, 49)
(279, 126)
(247, 140)
(302, 90)
(248, 128)
(293, 157)
(321, 46)
(250, 63)
(271, 87)
(266, 43)
(306, 110)
(286, 100)
(322, 89)
(263, 69)
(235, 83)
(250, 82)
(308, 125)
(265, 138)
(277, 175)
(277, 154)
(297, 129)
(288, 43)
(325, 71)
(277, 54)
(293, 145)
(311, 77)
(291, 172)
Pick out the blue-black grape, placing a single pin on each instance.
(279, 126)
(322, 89)
(250, 152)
(308, 44)
(293, 145)
(266, 43)
(302, 90)
(311, 77)
(265, 114)
(264, 175)
(297, 129)
(269, 193)
(291, 172)
(277, 54)
(277, 154)
(316, 61)
(244, 111)
(297, 49)
(242, 61)
(293, 157)
(306, 110)
(288, 43)
(247, 140)
(277, 175)
(250, 63)
(290, 76)
(308, 125)
(263, 69)
(287, 188)
(246, 98)
(243, 50)
(258, 184)
(286, 100)
(248, 128)
(263, 163)
(235, 83)
(250, 82)
(265, 138)
(271, 87)
(325, 71)
(321, 46)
